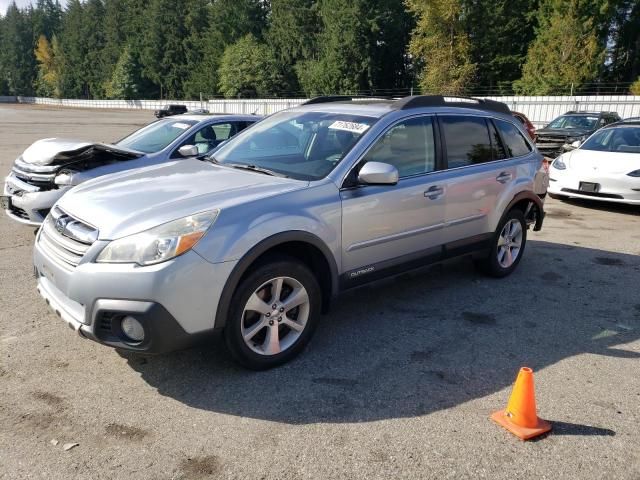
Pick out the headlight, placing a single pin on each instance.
(558, 164)
(635, 173)
(160, 243)
(580, 139)
(64, 178)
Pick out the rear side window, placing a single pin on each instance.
(467, 140)
(515, 143)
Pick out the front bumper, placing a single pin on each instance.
(175, 301)
(29, 204)
(614, 188)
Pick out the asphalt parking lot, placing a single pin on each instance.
(399, 381)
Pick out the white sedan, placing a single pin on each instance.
(605, 167)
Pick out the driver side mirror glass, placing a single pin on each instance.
(378, 173)
(188, 151)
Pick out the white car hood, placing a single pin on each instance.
(590, 161)
(55, 150)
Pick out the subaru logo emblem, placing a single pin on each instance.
(60, 224)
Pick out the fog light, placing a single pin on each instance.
(132, 328)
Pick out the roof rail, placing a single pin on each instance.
(327, 99)
(420, 101)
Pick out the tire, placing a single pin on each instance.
(557, 197)
(273, 335)
(501, 261)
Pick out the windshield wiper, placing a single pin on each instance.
(254, 168)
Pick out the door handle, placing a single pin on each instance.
(434, 192)
(504, 177)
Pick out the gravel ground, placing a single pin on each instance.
(398, 382)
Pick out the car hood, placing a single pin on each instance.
(129, 202)
(594, 162)
(562, 132)
(54, 151)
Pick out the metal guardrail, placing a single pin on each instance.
(540, 110)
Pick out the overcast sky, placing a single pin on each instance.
(21, 3)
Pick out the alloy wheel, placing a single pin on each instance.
(275, 316)
(510, 243)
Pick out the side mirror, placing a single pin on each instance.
(188, 151)
(378, 173)
(576, 144)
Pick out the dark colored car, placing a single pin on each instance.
(170, 110)
(522, 118)
(571, 127)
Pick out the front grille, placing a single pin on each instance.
(593, 194)
(36, 175)
(60, 240)
(551, 140)
(19, 212)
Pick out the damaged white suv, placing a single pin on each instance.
(50, 167)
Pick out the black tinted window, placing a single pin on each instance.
(467, 140)
(499, 153)
(409, 146)
(515, 142)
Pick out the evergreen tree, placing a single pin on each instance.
(46, 19)
(440, 45)
(624, 41)
(500, 32)
(17, 60)
(248, 69)
(293, 29)
(75, 50)
(163, 55)
(123, 83)
(343, 62)
(228, 22)
(201, 76)
(565, 54)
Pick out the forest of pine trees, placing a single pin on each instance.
(261, 48)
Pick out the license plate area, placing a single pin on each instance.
(589, 187)
(5, 202)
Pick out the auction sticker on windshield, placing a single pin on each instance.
(181, 126)
(349, 126)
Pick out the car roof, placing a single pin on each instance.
(630, 122)
(201, 117)
(573, 112)
(378, 107)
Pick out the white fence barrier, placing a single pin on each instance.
(540, 110)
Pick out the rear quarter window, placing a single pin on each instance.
(467, 140)
(514, 141)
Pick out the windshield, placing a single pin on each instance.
(574, 121)
(301, 145)
(157, 135)
(623, 139)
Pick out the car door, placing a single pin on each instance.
(476, 176)
(386, 225)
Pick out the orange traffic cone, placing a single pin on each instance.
(520, 416)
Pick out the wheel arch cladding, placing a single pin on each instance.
(303, 246)
(522, 201)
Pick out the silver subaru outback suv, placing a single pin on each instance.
(257, 239)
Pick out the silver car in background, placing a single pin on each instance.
(50, 167)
